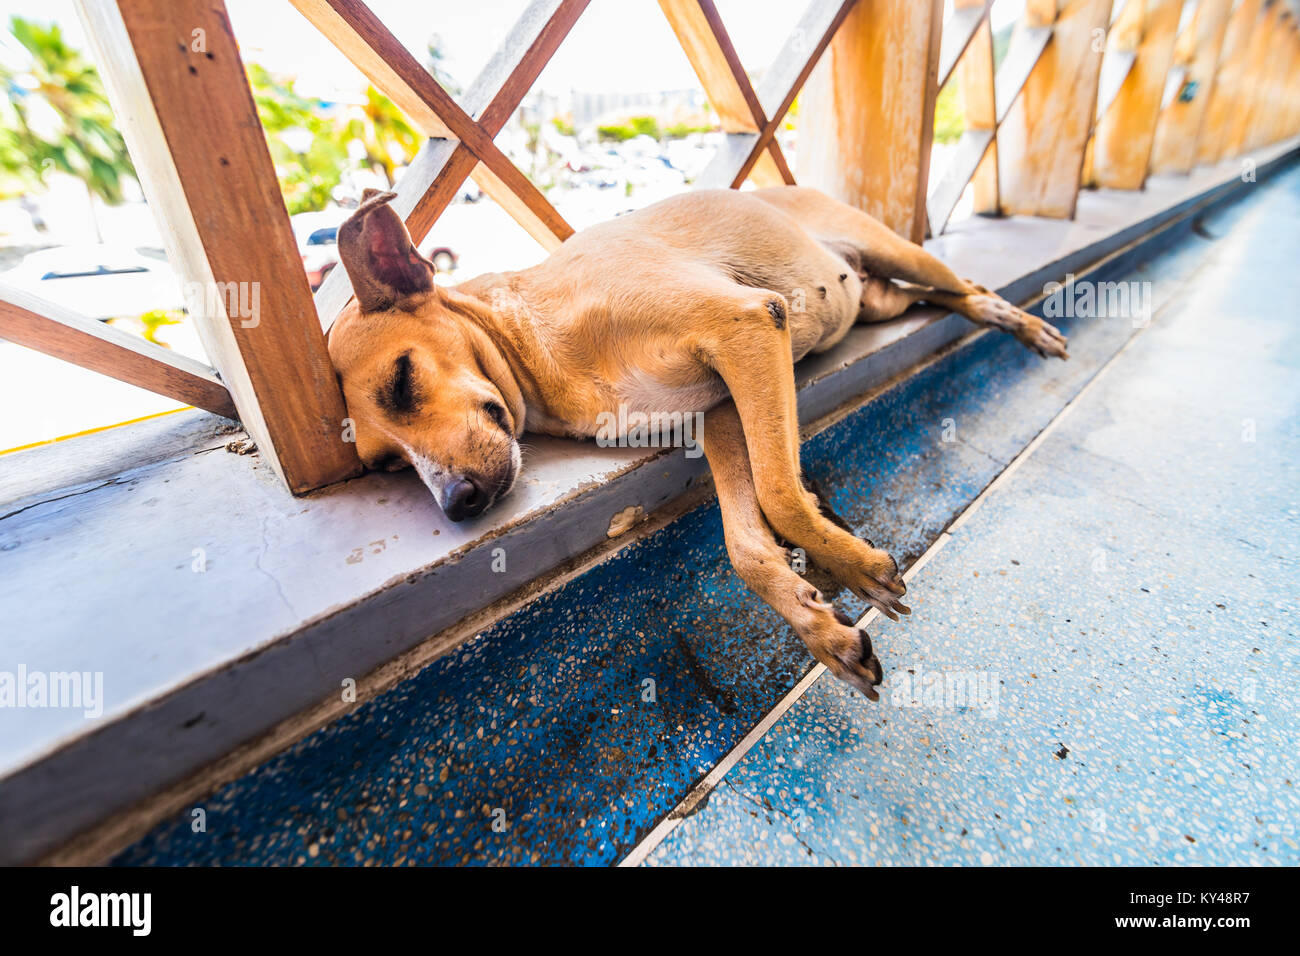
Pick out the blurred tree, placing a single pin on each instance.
(56, 116)
(383, 132)
(308, 155)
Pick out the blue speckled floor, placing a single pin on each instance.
(1117, 622)
(536, 742)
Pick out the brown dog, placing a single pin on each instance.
(674, 308)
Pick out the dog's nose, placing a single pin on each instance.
(463, 498)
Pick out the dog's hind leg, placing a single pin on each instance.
(864, 241)
(744, 336)
(884, 299)
(988, 308)
(879, 256)
(765, 566)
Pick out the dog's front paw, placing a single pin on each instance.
(873, 575)
(832, 638)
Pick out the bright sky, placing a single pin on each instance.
(617, 45)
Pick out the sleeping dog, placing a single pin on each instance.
(701, 302)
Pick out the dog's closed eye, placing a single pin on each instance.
(399, 395)
(387, 463)
(497, 412)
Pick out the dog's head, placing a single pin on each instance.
(424, 383)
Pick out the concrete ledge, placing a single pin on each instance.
(297, 594)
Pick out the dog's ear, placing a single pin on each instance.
(377, 251)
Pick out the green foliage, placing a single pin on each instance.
(56, 116)
(629, 128)
(563, 126)
(308, 177)
(681, 130)
(949, 123)
(647, 126)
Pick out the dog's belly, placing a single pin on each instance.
(680, 390)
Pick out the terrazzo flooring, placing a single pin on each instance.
(1102, 664)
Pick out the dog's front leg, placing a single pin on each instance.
(747, 342)
(765, 566)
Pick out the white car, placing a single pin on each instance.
(99, 282)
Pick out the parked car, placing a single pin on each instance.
(98, 281)
(317, 234)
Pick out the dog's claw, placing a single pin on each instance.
(847, 653)
(869, 660)
(860, 667)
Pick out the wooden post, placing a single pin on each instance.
(866, 120)
(1288, 106)
(1041, 143)
(1180, 122)
(1225, 98)
(1253, 78)
(1270, 95)
(1126, 134)
(173, 73)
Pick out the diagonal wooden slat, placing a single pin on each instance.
(704, 39)
(1121, 154)
(1180, 120)
(352, 27)
(780, 85)
(1229, 77)
(963, 162)
(975, 157)
(958, 31)
(1115, 68)
(49, 328)
(800, 53)
(1027, 45)
(441, 167)
(712, 55)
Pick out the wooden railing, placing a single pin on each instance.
(1090, 92)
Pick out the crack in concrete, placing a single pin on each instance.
(72, 494)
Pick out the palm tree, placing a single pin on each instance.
(57, 117)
